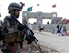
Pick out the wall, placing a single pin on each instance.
(38, 15)
(48, 27)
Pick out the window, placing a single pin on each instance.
(25, 14)
(54, 15)
(32, 20)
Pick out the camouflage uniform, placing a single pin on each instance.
(9, 22)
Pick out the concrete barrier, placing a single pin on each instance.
(49, 27)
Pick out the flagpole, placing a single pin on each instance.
(35, 8)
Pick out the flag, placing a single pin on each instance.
(29, 9)
(54, 6)
(37, 4)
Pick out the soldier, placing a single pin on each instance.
(11, 21)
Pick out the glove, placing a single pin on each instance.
(20, 27)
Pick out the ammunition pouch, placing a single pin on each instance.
(14, 37)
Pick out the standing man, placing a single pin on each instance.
(39, 28)
(61, 30)
(29, 26)
(14, 11)
(58, 26)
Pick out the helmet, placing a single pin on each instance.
(14, 6)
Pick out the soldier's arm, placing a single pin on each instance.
(4, 26)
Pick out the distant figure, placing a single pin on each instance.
(52, 29)
(44, 28)
(30, 26)
(64, 31)
(58, 26)
(61, 30)
(58, 30)
(68, 32)
(48, 22)
(39, 27)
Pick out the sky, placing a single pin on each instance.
(62, 7)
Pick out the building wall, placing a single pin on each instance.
(39, 15)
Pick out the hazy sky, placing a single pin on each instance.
(62, 7)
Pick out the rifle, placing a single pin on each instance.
(36, 40)
(25, 31)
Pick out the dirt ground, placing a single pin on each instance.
(33, 48)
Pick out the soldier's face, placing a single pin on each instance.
(17, 13)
